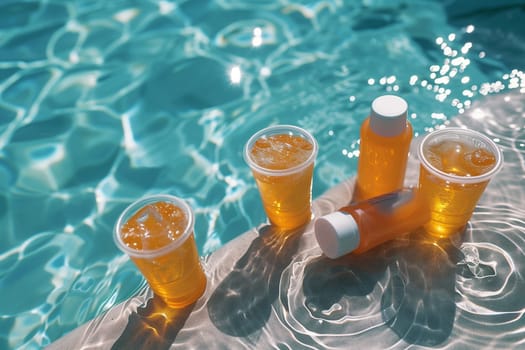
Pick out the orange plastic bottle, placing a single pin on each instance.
(364, 225)
(383, 152)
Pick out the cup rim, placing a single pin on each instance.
(138, 204)
(276, 130)
(457, 178)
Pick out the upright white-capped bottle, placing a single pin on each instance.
(383, 150)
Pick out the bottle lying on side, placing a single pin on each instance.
(364, 225)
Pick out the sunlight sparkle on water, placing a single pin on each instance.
(265, 72)
(73, 57)
(465, 49)
(235, 75)
(257, 37)
(166, 7)
(126, 16)
(129, 140)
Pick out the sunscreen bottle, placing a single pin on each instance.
(383, 151)
(364, 225)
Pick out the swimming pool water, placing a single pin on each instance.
(103, 102)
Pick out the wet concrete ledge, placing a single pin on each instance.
(243, 285)
(272, 290)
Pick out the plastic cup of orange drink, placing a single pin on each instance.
(157, 234)
(282, 158)
(456, 167)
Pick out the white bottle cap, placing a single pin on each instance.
(388, 115)
(337, 234)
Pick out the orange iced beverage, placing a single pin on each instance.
(282, 162)
(157, 233)
(456, 167)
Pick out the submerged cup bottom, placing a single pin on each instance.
(287, 199)
(451, 204)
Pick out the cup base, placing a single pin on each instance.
(440, 232)
(178, 302)
(295, 226)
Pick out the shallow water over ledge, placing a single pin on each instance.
(268, 290)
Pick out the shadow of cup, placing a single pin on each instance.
(153, 326)
(242, 303)
(345, 282)
(415, 279)
(418, 303)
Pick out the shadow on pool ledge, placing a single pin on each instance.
(266, 290)
(417, 304)
(256, 274)
(153, 326)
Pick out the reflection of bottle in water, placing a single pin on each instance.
(364, 225)
(383, 151)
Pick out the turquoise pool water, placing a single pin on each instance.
(103, 102)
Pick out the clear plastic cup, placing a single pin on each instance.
(157, 234)
(282, 158)
(456, 167)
